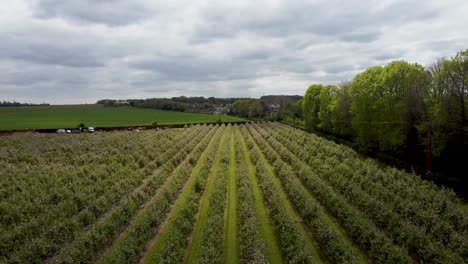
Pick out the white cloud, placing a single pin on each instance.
(82, 50)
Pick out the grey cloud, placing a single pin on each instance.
(338, 68)
(110, 12)
(58, 55)
(322, 19)
(234, 88)
(392, 55)
(85, 50)
(360, 37)
(246, 66)
(50, 91)
(189, 67)
(24, 74)
(295, 64)
(259, 54)
(44, 45)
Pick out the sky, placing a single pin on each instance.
(70, 52)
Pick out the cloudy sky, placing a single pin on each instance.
(79, 51)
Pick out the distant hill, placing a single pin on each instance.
(200, 104)
(280, 99)
(268, 105)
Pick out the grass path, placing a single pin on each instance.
(142, 207)
(232, 223)
(331, 221)
(107, 235)
(129, 246)
(195, 240)
(268, 230)
(142, 210)
(300, 226)
(157, 243)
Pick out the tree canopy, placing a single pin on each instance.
(398, 110)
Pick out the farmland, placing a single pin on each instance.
(62, 116)
(255, 193)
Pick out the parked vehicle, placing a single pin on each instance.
(61, 130)
(90, 129)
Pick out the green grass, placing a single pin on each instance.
(360, 257)
(312, 245)
(232, 230)
(68, 116)
(195, 246)
(164, 236)
(268, 230)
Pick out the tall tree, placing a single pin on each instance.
(448, 102)
(251, 108)
(401, 88)
(341, 112)
(364, 91)
(311, 106)
(397, 110)
(455, 72)
(327, 96)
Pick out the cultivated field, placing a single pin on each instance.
(257, 193)
(69, 116)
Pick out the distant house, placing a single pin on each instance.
(217, 109)
(274, 109)
(122, 102)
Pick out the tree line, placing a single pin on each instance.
(14, 103)
(198, 104)
(271, 107)
(403, 112)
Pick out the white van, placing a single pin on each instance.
(90, 129)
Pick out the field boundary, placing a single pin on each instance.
(121, 128)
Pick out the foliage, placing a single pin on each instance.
(212, 238)
(393, 111)
(390, 198)
(250, 108)
(128, 247)
(15, 104)
(341, 115)
(293, 239)
(311, 106)
(106, 197)
(448, 102)
(198, 104)
(88, 188)
(331, 241)
(252, 243)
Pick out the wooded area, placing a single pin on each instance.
(197, 104)
(410, 115)
(14, 104)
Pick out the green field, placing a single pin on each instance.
(68, 116)
(249, 193)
